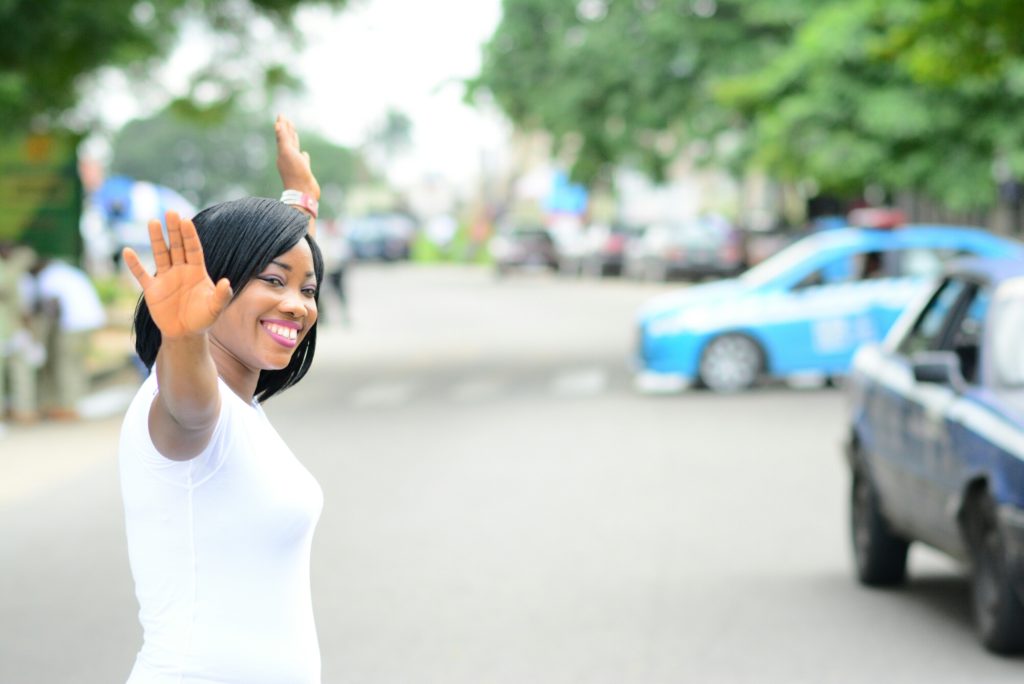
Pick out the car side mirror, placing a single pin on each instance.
(938, 368)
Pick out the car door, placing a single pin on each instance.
(824, 318)
(941, 465)
(900, 411)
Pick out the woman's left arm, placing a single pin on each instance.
(294, 166)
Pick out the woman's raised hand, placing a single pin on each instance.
(292, 163)
(181, 297)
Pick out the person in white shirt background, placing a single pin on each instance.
(67, 303)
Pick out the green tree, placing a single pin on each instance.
(627, 81)
(912, 95)
(233, 157)
(393, 135)
(48, 46)
(844, 106)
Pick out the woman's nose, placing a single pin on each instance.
(295, 303)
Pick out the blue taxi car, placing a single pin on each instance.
(936, 442)
(801, 313)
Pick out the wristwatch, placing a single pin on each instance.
(301, 199)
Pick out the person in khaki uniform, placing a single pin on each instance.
(20, 353)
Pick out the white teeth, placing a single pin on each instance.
(282, 331)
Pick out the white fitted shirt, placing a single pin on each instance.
(219, 547)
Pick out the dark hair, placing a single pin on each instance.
(240, 238)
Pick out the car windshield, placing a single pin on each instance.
(1007, 339)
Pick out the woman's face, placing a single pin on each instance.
(273, 313)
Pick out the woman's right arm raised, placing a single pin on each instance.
(184, 302)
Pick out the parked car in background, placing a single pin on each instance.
(936, 442)
(800, 314)
(704, 247)
(523, 246)
(380, 237)
(604, 248)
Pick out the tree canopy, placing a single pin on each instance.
(47, 46)
(917, 95)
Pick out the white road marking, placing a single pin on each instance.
(383, 395)
(580, 382)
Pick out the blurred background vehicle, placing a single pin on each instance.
(604, 248)
(704, 247)
(523, 246)
(380, 237)
(801, 313)
(936, 442)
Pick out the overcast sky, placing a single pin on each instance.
(402, 54)
(374, 55)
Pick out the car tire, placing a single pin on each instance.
(998, 611)
(731, 363)
(880, 555)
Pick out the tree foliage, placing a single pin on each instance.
(48, 46)
(209, 163)
(623, 80)
(918, 95)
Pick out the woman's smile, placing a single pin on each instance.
(285, 333)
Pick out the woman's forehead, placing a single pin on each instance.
(300, 253)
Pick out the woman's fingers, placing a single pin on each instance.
(160, 254)
(174, 235)
(191, 244)
(221, 296)
(286, 134)
(131, 259)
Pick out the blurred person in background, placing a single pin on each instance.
(337, 257)
(218, 511)
(21, 354)
(68, 310)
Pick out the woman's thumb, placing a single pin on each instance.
(222, 295)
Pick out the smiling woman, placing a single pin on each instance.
(219, 513)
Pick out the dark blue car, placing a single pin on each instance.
(936, 447)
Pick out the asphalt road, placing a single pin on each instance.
(502, 507)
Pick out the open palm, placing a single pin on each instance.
(181, 297)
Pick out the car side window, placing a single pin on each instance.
(965, 337)
(839, 270)
(927, 331)
(924, 261)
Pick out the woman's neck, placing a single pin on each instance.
(240, 378)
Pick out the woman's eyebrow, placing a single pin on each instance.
(309, 274)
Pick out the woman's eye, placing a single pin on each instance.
(273, 280)
(309, 291)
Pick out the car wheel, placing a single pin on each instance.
(881, 556)
(731, 363)
(998, 611)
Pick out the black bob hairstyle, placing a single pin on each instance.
(240, 238)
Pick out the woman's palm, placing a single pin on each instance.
(181, 297)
